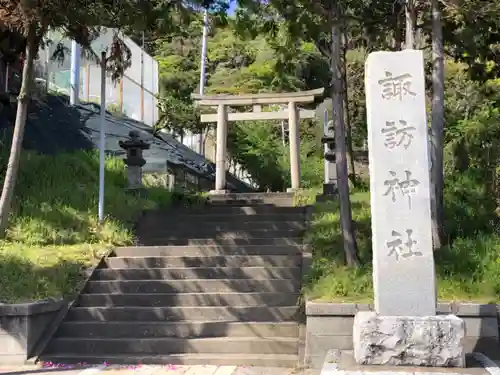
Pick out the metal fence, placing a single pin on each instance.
(134, 95)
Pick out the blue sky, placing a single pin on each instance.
(232, 7)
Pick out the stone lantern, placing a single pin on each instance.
(134, 147)
(330, 183)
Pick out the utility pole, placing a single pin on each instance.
(74, 93)
(142, 77)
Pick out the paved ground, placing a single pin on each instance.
(151, 370)
(343, 363)
(476, 365)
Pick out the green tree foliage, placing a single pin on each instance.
(177, 115)
(82, 22)
(178, 60)
(258, 146)
(472, 35)
(236, 65)
(278, 46)
(323, 23)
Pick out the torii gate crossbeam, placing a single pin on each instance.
(256, 100)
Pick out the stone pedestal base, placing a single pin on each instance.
(329, 193)
(134, 177)
(218, 192)
(325, 198)
(330, 189)
(435, 341)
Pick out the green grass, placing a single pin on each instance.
(469, 270)
(54, 232)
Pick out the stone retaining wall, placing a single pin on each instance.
(22, 326)
(329, 326)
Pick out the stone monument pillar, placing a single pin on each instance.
(404, 329)
(134, 147)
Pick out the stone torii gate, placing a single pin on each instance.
(292, 114)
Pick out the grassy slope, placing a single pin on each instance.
(467, 271)
(54, 234)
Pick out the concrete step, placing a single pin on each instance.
(261, 360)
(202, 233)
(223, 211)
(136, 346)
(209, 261)
(193, 286)
(278, 200)
(115, 330)
(145, 239)
(227, 313)
(196, 273)
(249, 201)
(248, 216)
(189, 299)
(210, 227)
(204, 251)
(257, 195)
(274, 202)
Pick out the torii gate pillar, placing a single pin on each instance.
(294, 141)
(221, 151)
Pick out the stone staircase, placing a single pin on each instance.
(217, 284)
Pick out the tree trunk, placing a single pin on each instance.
(17, 138)
(398, 30)
(347, 229)
(420, 35)
(205, 137)
(348, 139)
(411, 26)
(437, 128)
